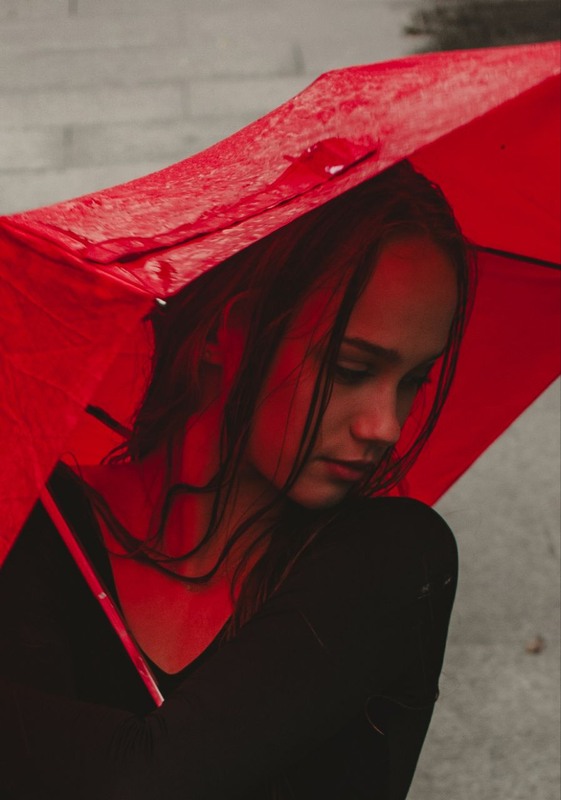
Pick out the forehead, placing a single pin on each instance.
(409, 302)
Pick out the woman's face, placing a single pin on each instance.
(397, 329)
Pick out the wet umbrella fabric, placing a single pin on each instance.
(77, 278)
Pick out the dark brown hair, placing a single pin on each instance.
(338, 243)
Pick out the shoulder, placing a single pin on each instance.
(398, 542)
(38, 541)
(34, 577)
(68, 490)
(405, 520)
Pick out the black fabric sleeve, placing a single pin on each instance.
(359, 624)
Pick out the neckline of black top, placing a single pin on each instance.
(69, 493)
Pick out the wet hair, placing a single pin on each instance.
(336, 245)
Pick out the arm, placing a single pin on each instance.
(344, 627)
(355, 763)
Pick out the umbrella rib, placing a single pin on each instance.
(518, 257)
(106, 419)
(106, 602)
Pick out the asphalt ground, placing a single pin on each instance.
(96, 92)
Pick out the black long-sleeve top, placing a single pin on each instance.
(328, 689)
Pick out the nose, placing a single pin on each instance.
(377, 422)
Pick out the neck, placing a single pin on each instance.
(195, 462)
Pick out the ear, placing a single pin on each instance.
(226, 341)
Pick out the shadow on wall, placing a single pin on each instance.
(459, 24)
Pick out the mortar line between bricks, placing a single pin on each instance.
(176, 82)
(227, 76)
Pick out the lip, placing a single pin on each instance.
(348, 471)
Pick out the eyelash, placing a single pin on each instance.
(356, 376)
(349, 376)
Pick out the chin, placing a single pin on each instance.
(317, 497)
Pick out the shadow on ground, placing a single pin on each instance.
(454, 24)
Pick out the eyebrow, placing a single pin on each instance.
(385, 353)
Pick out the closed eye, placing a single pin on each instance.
(350, 376)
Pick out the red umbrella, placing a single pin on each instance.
(78, 277)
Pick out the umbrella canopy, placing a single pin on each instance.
(77, 278)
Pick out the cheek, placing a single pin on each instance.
(279, 423)
(405, 402)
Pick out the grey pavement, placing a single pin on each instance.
(96, 92)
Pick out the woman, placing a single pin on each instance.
(295, 623)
